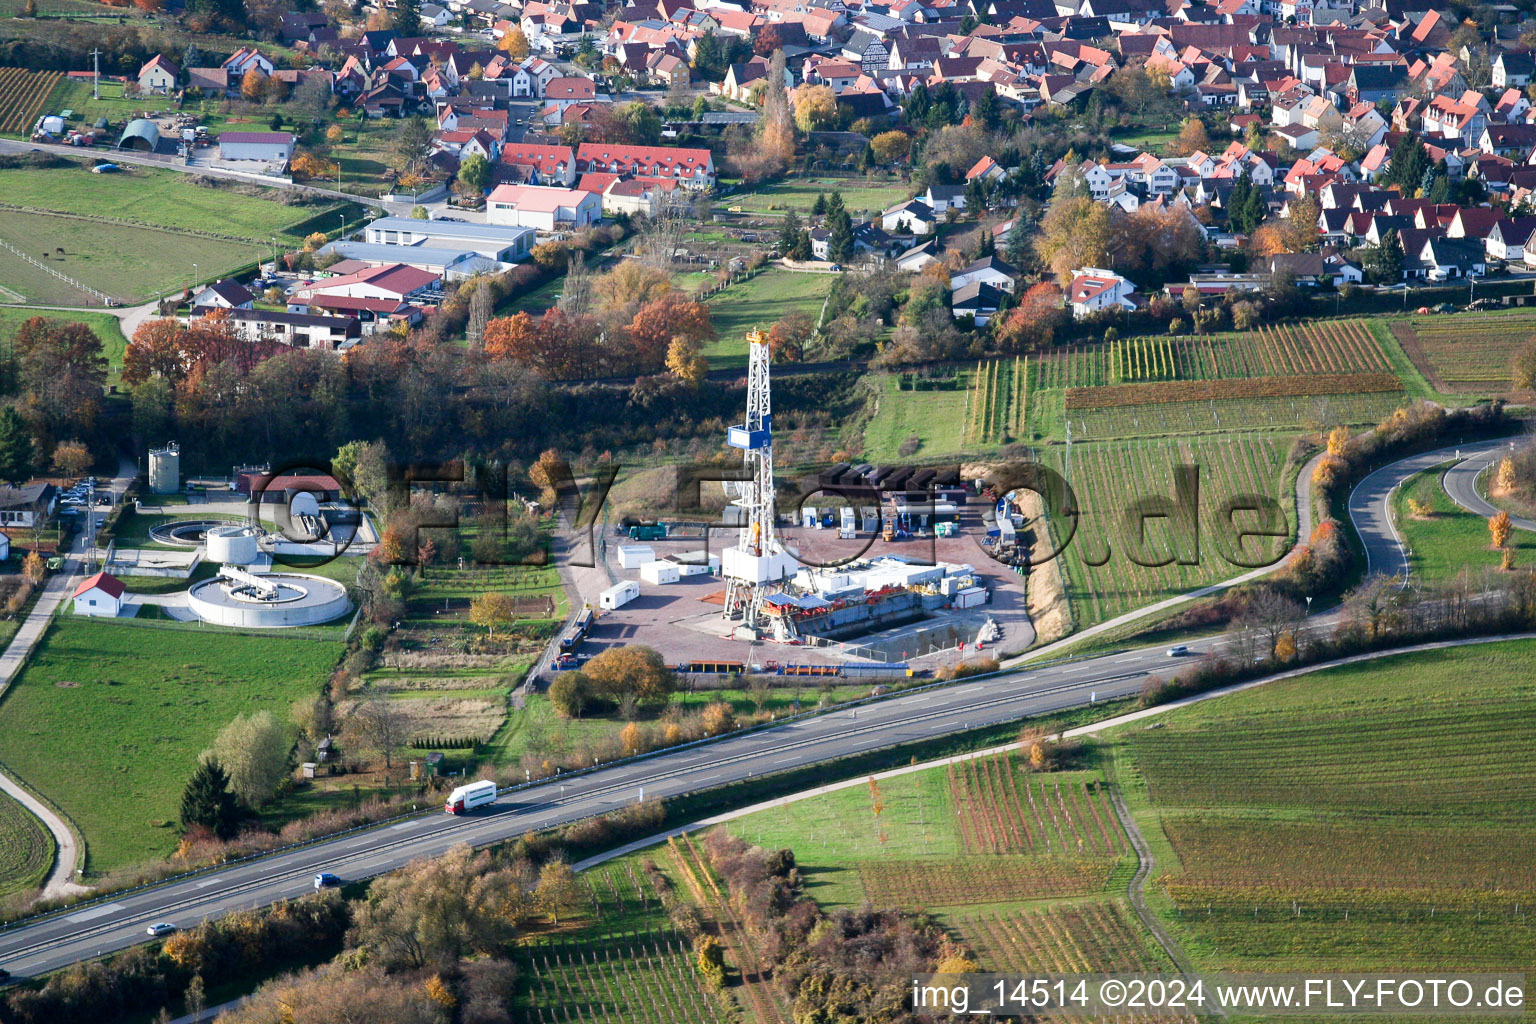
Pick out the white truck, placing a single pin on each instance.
(468, 797)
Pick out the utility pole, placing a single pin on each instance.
(96, 76)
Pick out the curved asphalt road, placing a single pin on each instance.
(115, 922)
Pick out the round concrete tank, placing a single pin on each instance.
(268, 600)
(232, 544)
(165, 469)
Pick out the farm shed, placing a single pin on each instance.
(140, 134)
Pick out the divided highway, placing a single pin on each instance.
(115, 922)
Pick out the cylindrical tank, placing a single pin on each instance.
(232, 544)
(165, 469)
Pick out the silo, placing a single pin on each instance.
(165, 469)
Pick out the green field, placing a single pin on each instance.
(1103, 580)
(758, 302)
(799, 194)
(1450, 539)
(1373, 817)
(108, 719)
(26, 849)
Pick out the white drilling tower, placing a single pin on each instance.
(758, 562)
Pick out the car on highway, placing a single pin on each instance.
(1177, 651)
(160, 928)
(325, 880)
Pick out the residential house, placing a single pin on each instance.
(158, 76)
(1094, 289)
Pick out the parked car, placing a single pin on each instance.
(325, 880)
(160, 928)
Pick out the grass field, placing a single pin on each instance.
(107, 720)
(1102, 579)
(758, 302)
(1467, 353)
(1372, 817)
(1450, 540)
(26, 849)
(799, 194)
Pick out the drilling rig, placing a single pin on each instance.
(756, 565)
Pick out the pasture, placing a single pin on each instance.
(1370, 817)
(1101, 566)
(107, 720)
(1466, 353)
(26, 849)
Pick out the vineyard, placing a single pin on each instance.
(1466, 352)
(1365, 818)
(1092, 937)
(925, 884)
(997, 404)
(998, 809)
(1102, 580)
(22, 95)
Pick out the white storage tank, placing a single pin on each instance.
(618, 595)
(165, 469)
(659, 572)
(233, 544)
(633, 556)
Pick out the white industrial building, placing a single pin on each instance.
(505, 243)
(257, 147)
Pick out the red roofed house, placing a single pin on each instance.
(542, 165)
(694, 168)
(100, 595)
(1094, 289)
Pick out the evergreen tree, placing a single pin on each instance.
(207, 801)
(839, 234)
(408, 18)
(17, 453)
(789, 233)
(1384, 264)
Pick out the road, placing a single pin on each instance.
(120, 920)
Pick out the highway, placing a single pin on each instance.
(114, 922)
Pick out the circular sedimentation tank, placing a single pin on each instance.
(233, 544)
(285, 599)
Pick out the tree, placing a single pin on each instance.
(891, 146)
(1384, 264)
(474, 172)
(253, 749)
(72, 458)
(253, 85)
(815, 107)
(1498, 529)
(1192, 138)
(570, 694)
(207, 801)
(685, 361)
(492, 609)
(18, 455)
(558, 889)
(514, 43)
(632, 668)
(379, 724)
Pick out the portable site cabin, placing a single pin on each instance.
(618, 595)
(633, 556)
(658, 573)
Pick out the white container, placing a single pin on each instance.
(971, 597)
(633, 556)
(618, 595)
(659, 573)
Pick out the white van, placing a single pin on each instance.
(467, 798)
